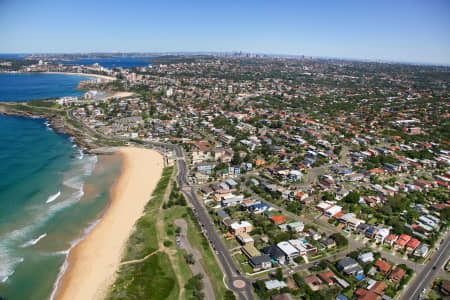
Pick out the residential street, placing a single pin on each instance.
(424, 278)
(225, 259)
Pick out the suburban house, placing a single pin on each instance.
(275, 284)
(421, 250)
(412, 245)
(245, 239)
(277, 220)
(313, 282)
(349, 266)
(275, 253)
(332, 211)
(238, 228)
(296, 226)
(328, 277)
(390, 239)
(382, 266)
(366, 257)
(289, 251)
(362, 294)
(397, 275)
(401, 242)
(381, 235)
(260, 262)
(250, 251)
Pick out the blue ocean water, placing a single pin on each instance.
(50, 192)
(12, 55)
(20, 87)
(123, 62)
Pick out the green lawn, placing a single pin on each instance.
(152, 279)
(144, 239)
(209, 261)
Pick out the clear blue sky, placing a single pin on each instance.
(397, 30)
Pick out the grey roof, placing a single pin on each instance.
(275, 284)
(222, 214)
(273, 251)
(346, 262)
(207, 190)
(257, 260)
(231, 182)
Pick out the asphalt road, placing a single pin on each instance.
(225, 259)
(425, 278)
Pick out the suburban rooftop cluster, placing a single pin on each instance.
(326, 178)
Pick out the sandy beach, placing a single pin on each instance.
(104, 77)
(94, 261)
(120, 95)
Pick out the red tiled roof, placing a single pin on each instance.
(383, 266)
(278, 219)
(397, 274)
(413, 243)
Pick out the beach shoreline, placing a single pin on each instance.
(120, 95)
(92, 263)
(104, 77)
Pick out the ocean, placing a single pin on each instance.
(51, 194)
(110, 63)
(21, 87)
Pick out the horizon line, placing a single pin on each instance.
(286, 55)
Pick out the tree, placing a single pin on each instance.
(352, 197)
(282, 236)
(229, 295)
(189, 258)
(340, 240)
(236, 160)
(445, 214)
(299, 260)
(279, 274)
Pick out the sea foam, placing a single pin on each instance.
(9, 263)
(34, 241)
(15, 239)
(53, 197)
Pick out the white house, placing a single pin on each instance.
(381, 235)
(332, 211)
(289, 251)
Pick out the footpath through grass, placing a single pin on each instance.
(153, 278)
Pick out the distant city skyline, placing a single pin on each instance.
(404, 31)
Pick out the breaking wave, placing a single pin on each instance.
(34, 241)
(53, 197)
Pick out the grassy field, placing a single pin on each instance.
(209, 261)
(153, 278)
(33, 109)
(164, 274)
